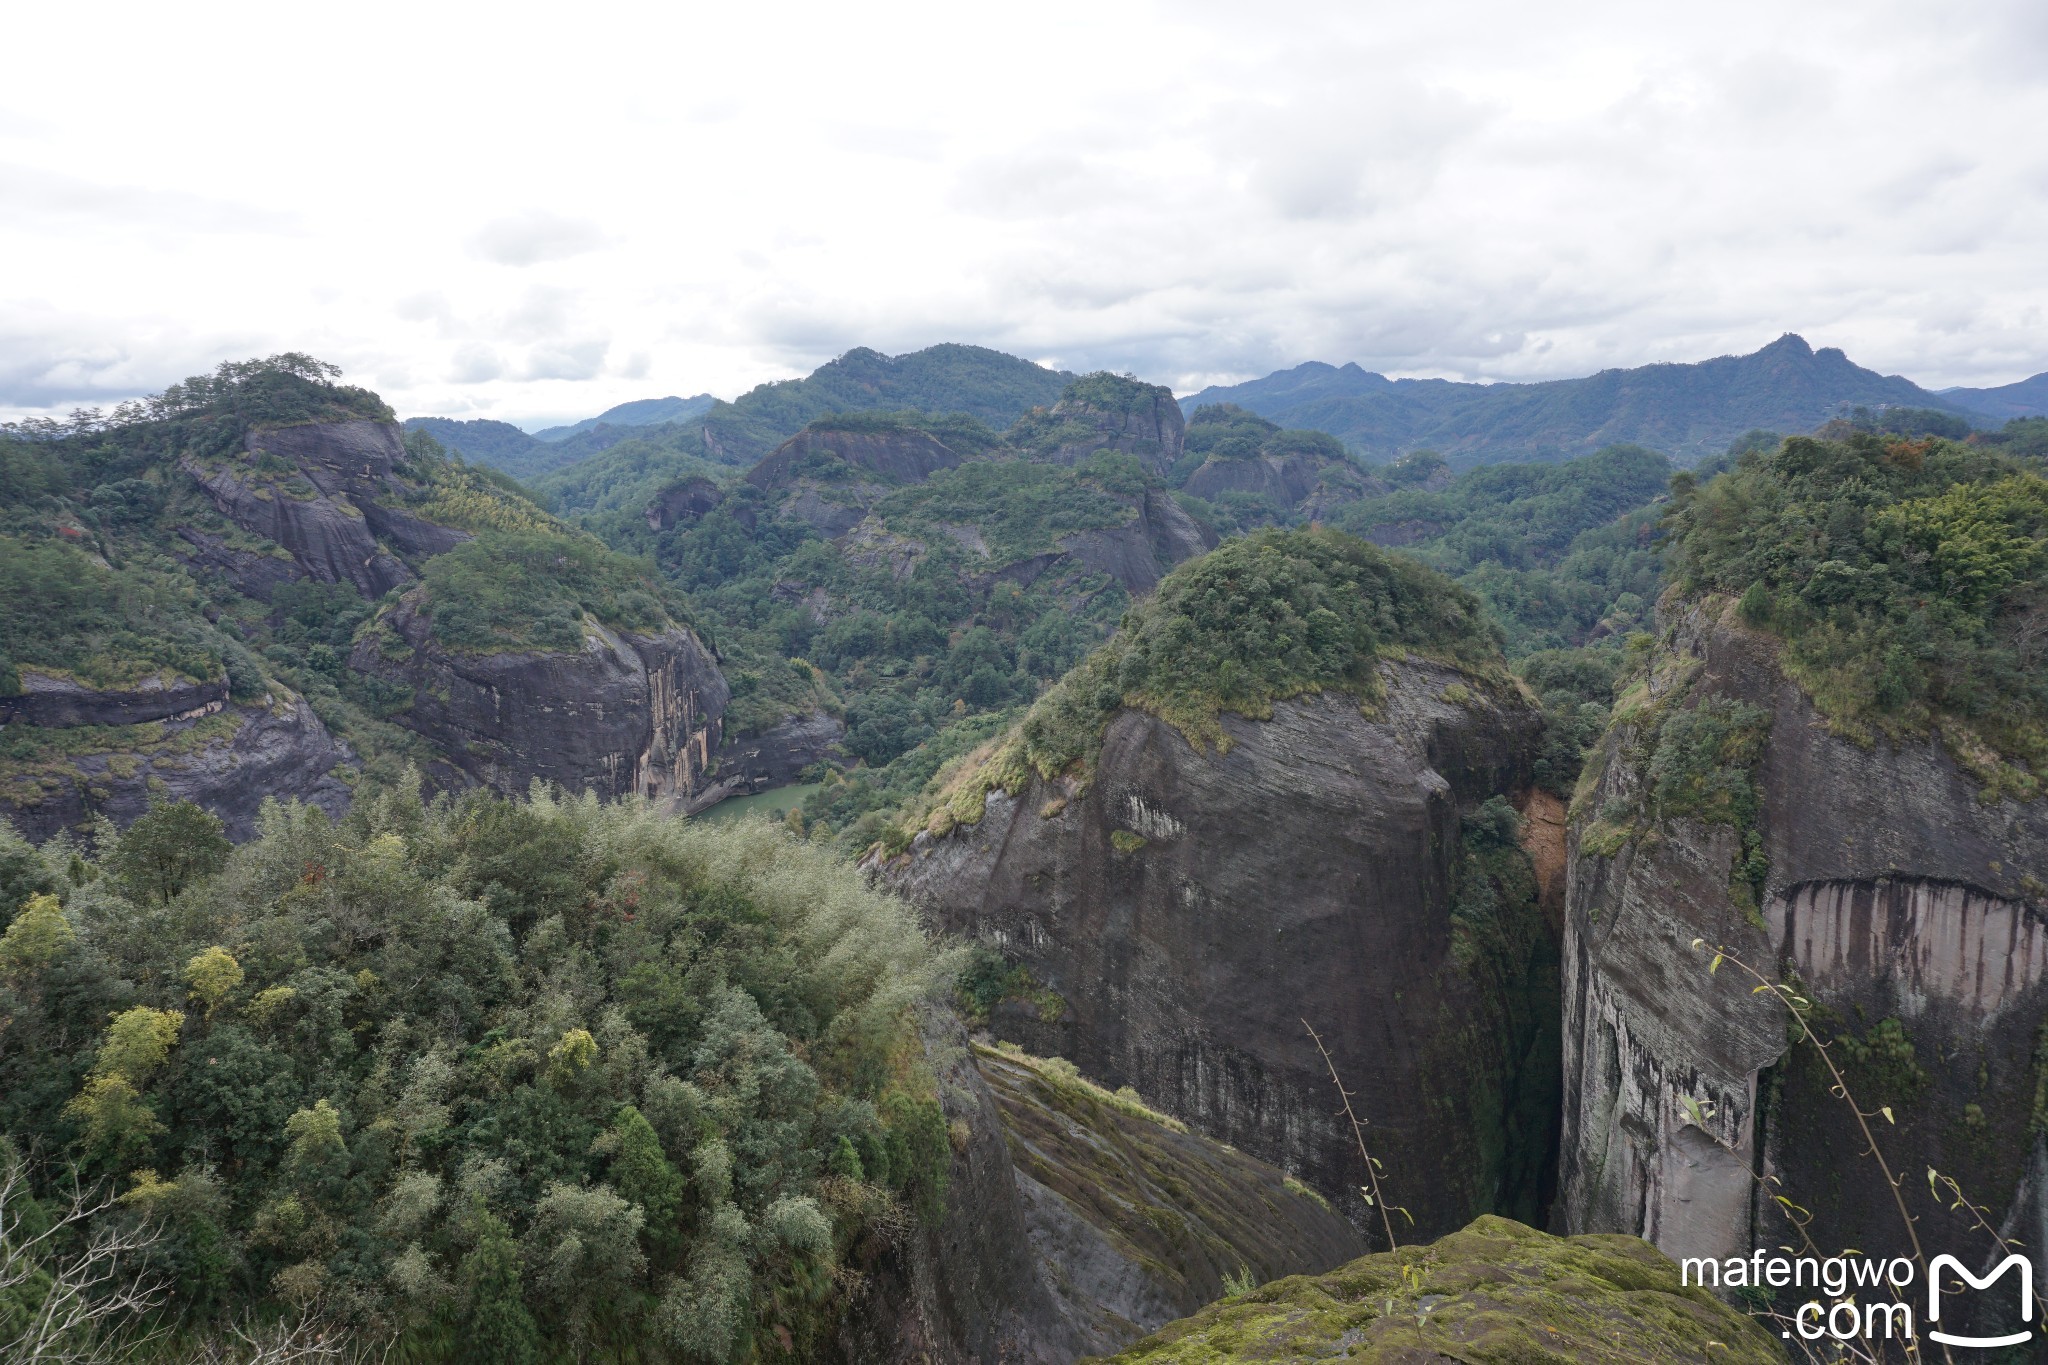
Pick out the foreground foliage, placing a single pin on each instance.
(506, 1081)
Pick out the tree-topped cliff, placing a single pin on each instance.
(1908, 579)
(204, 591)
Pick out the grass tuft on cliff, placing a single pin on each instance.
(1496, 1292)
(1907, 577)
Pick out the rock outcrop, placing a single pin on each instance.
(776, 757)
(1495, 1292)
(683, 503)
(1103, 412)
(225, 756)
(1183, 912)
(830, 478)
(328, 493)
(1907, 905)
(624, 714)
(1076, 1221)
(1139, 553)
(52, 701)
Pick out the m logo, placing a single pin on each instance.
(2013, 1262)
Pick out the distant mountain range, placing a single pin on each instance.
(2028, 398)
(526, 455)
(1688, 411)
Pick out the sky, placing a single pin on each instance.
(531, 212)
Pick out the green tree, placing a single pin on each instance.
(496, 1328)
(644, 1175)
(170, 846)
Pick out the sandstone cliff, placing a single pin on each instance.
(1105, 412)
(625, 714)
(1076, 1221)
(1175, 918)
(1906, 903)
(110, 756)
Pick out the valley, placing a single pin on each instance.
(901, 865)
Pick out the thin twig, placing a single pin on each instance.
(1358, 1134)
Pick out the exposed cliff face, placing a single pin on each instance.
(1075, 1223)
(327, 493)
(775, 757)
(831, 478)
(1287, 479)
(1138, 554)
(1909, 909)
(682, 504)
(224, 756)
(1188, 909)
(50, 701)
(625, 714)
(1147, 423)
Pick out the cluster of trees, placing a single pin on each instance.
(1264, 617)
(1909, 578)
(501, 1081)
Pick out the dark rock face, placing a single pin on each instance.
(1910, 911)
(1154, 430)
(1188, 910)
(247, 572)
(1073, 1226)
(326, 492)
(1141, 552)
(625, 714)
(778, 755)
(681, 504)
(889, 457)
(327, 537)
(50, 701)
(225, 757)
(1286, 479)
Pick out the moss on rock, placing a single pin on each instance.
(1495, 1292)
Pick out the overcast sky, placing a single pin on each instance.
(533, 212)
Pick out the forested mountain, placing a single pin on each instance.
(642, 412)
(1687, 411)
(2027, 398)
(248, 586)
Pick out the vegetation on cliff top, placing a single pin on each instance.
(566, 1076)
(1262, 618)
(1497, 1293)
(1908, 578)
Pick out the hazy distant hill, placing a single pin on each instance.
(1686, 411)
(642, 412)
(991, 387)
(527, 456)
(2027, 398)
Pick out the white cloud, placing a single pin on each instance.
(535, 236)
(1477, 188)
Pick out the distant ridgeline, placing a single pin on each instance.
(248, 586)
(1689, 412)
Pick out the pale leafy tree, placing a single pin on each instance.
(211, 976)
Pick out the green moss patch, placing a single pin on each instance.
(1497, 1292)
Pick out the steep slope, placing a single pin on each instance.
(1687, 411)
(1198, 839)
(1784, 781)
(1106, 412)
(642, 412)
(1077, 1220)
(1495, 1293)
(211, 589)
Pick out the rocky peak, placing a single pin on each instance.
(1107, 412)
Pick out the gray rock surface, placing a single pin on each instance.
(51, 701)
(1902, 901)
(1306, 871)
(625, 714)
(1073, 1226)
(227, 758)
(1141, 552)
(1153, 430)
